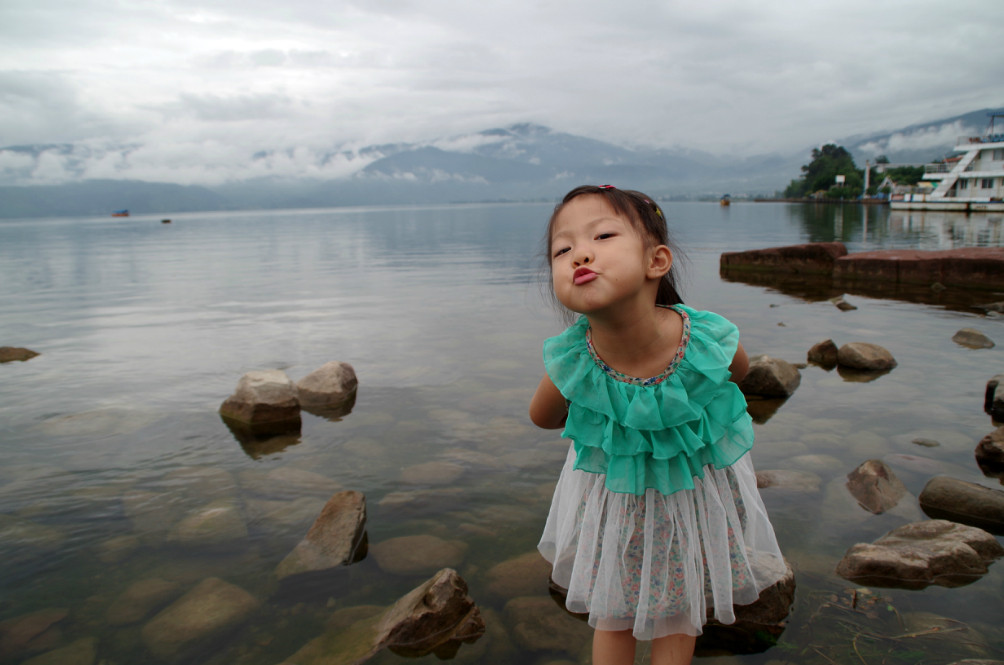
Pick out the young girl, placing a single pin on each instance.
(656, 523)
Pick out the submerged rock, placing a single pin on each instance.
(212, 608)
(412, 555)
(523, 575)
(972, 339)
(335, 539)
(31, 633)
(967, 503)
(875, 486)
(770, 377)
(141, 599)
(919, 554)
(865, 356)
(217, 524)
(79, 652)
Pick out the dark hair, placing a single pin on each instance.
(645, 215)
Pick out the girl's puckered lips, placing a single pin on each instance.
(583, 276)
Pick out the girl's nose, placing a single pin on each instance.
(582, 259)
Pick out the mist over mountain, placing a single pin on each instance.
(516, 163)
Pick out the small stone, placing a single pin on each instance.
(10, 354)
(865, 356)
(972, 339)
(140, 600)
(524, 575)
(337, 536)
(332, 385)
(79, 652)
(842, 304)
(216, 524)
(927, 443)
(824, 354)
(990, 453)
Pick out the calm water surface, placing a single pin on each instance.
(111, 436)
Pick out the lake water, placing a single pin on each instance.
(111, 435)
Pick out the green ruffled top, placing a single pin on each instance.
(660, 432)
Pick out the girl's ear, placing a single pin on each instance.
(660, 261)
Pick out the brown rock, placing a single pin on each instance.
(824, 354)
(758, 625)
(865, 356)
(972, 339)
(770, 377)
(973, 267)
(537, 625)
(15, 353)
(436, 617)
(328, 387)
(919, 554)
(334, 539)
(262, 398)
(949, 498)
(875, 486)
(990, 453)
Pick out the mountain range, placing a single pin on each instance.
(516, 163)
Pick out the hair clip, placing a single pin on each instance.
(607, 187)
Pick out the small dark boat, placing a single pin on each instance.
(120, 213)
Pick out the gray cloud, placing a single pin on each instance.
(226, 79)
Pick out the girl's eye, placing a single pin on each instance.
(604, 236)
(560, 252)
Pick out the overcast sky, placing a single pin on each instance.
(223, 79)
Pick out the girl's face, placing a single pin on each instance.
(598, 258)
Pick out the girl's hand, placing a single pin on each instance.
(548, 408)
(740, 364)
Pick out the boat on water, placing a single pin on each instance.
(120, 213)
(972, 181)
(726, 200)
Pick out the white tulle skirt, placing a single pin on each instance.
(660, 564)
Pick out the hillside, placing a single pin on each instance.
(520, 162)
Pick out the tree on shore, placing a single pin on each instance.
(820, 175)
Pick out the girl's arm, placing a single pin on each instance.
(548, 408)
(740, 364)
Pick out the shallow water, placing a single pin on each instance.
(111, 435)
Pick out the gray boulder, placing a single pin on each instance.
(875, 486)
(330, 387)
(435, 617)
(919, 554)
(212, 608)
(865, 357)
(960, 501)
(524, 575)
(770, 377)
(337, 537)
(263, 398)
(972, 339)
